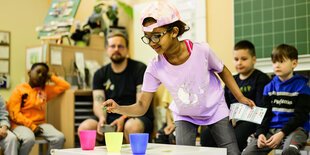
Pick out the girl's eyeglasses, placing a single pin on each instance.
(154, 38)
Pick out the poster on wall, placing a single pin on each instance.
(33, 55)
(4, 66)
(59, 18)
(5, 52)
(4, 38)
(193, 13)
(56, 56)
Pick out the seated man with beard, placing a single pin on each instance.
(120, 80)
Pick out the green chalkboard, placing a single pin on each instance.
(268, 23)
(60, 14)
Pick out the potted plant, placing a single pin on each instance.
(112, 14)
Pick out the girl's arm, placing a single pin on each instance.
(230, 82)
(137, 109)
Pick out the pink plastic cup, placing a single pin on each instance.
(88, 139)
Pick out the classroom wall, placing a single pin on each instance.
(220, 28)
(20, 18)
(21, 21)
(23, 17)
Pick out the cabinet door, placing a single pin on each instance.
(67, 111)
(60, 113)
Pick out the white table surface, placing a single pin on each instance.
(152, 149)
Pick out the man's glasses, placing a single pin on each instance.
(120, 47)
(154, 38)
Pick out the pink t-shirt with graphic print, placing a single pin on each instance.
(198, 96)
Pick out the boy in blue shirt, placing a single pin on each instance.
(286, 98)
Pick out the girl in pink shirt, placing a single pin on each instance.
(188, 70)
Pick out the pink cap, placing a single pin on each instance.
(162, 12)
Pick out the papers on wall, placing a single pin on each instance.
(79, 60)
(243, 112)
(33, 55)
(4, 52)
(92, 66)
(4, 37)
(193, 13)
(44, 51)
(4, 66)
(4, 55)
(56, 56)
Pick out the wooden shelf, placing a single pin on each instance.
(83, 92)
(61, 113)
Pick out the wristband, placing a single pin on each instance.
(124, 116)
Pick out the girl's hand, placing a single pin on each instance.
(261, 141)
(3, 132)
(111, 106)
(246, 101)
(169, 128)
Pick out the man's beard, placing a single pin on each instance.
(118, 60)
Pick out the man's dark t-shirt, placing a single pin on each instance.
(121, 87)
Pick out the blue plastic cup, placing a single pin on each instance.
(138, 142)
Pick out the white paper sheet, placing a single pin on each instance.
(56, 57)
(79, 60)
(243, 112)
(4, 52)
(33, 55)
(4, 66)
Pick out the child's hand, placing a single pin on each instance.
(275, 140)
(38, 130)
(169, 128)
(3, 132)
(111, 106)
(261, 141)
(246, 101)
(49, 75)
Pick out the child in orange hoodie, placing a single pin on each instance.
(26, 108)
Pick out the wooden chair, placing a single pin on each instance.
(41, 141)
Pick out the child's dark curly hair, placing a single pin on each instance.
(40, 64)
